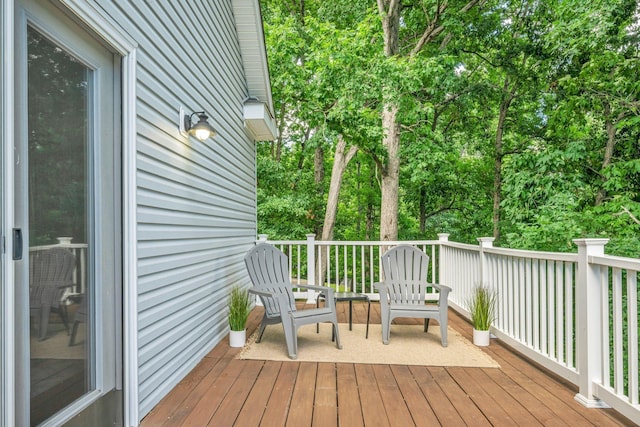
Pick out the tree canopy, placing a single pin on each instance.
(519, 120)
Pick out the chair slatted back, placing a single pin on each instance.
(268, 270)
(50, 272)
(405, 272)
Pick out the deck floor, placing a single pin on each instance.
(225, 391)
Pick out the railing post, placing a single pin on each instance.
(311, 267)
(444, 262)
(589, 306)
(485, 242)
(262, 237)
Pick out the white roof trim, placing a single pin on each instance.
(254, 54)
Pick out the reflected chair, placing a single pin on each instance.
(50, 275)
(80, 316)
(403, 291)
(269, 272)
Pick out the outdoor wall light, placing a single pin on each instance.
(201, 130)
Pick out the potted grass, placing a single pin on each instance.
(482, 308)
(239, 306)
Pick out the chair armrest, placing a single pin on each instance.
(441, 288)
(313, 287)
(327, 291)
(261, 293)
(275, 301)
(444, 292)
(381, 287)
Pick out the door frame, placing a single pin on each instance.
(122, 44)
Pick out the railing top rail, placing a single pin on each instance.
(286, 242)
(465, 246)
(616, 262)
(356, 243)
(521, 253)
(58, 245)
(376, 242)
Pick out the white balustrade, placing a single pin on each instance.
(576, 314)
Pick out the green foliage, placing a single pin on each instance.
(482, 307)
(239, 307)
(570, 66)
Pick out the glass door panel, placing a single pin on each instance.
(59, 146)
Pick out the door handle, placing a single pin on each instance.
(17, 244)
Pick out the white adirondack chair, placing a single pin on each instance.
(402, 293)
(269, 272)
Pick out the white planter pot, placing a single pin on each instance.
(481, 338)
(237, 338)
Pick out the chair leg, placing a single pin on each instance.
(291, 337)
(386, 325)
(261, 331)
(74, 331)
(64, 315)
(443, 331)
(336, 332)
(368, 313)
(426, 324)
(45, 312)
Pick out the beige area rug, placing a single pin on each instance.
(56, 346)
(408, 345)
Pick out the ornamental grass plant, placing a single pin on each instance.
(482, 307)
(239, 307)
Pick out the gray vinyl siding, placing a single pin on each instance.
(196, 200)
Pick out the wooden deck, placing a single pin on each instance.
(225, 391)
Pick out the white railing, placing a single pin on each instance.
(575, 314)
(344, 266)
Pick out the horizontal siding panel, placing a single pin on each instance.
(186, 351)
(165, 323)
(170, 232)
(162, 248)
(194, 247)
(157, 216)
(164, 167)
(207, 193)
(155, 169)
(161, 200)
(166, 264)
(196, 208)
(157, 291)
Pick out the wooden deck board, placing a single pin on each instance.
(275, 415)
(301, 413)
(398, 414)
(440, 409)
(224, 390)
(325, 412)
(373, 410)
(459, 398)
(418, 404)
(349, 406)
(258, 398)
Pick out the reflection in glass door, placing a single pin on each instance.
(59, 146)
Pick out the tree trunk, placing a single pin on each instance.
(508, 95)
(423, 210)
(390, 10)
(340, 162)
(608, 151)
(390, 13)
(318, 178)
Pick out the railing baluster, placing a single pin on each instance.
(618, 376)
(632, 328)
